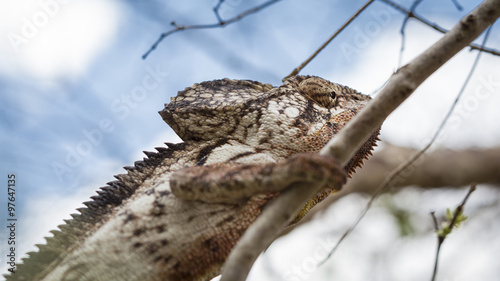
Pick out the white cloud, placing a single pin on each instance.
(51, 39)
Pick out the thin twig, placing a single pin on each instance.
(464, 85)
(216, 10)
(457, 5)
(438, 249)
(441, 237)
(436, 27)
(403, 166)
(403, 27)
(460, 207)
(342, 147)
(301, 66)
(434, 220)
(220, 23)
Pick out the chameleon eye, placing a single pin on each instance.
(318, 90)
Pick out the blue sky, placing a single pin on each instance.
(79, 102)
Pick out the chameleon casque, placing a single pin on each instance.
(177, 214)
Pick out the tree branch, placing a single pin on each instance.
(343, 146)
(411, 14)
(439, 168)
(447, 228)
(308, 60)
(220, 23)
(442, 167)
(396, 173)
(403, 27)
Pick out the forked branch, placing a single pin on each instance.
(343, 146)
(411, 14)
(220, 23)
(454, 220)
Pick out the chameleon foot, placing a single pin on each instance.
(232, 181)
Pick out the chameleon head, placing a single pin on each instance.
(305, 113)
(262, 123)
(316, 109)
(301, 115)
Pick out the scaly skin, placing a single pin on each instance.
(238, 135)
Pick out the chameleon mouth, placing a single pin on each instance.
(322, 127)
(332, 121)
(339, 120)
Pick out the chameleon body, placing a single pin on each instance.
(177, 214)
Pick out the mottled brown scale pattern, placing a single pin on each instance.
(177, 214)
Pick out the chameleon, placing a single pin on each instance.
(177, 214)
